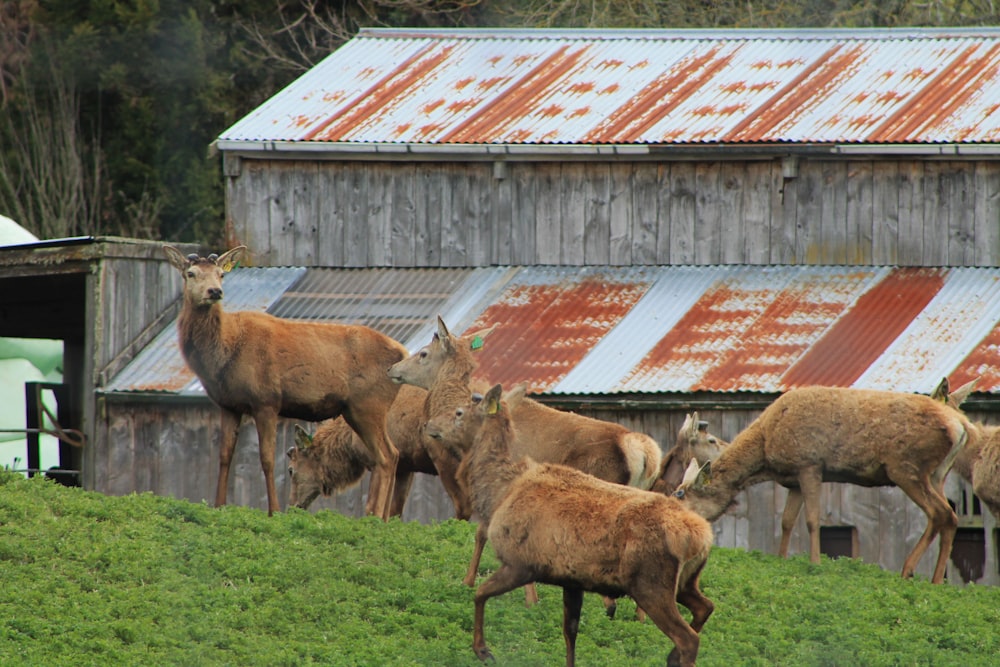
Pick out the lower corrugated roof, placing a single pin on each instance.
(645, 330)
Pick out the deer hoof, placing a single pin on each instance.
(484, 654)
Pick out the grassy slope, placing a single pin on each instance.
(140, 580)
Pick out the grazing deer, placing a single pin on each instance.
(553, 524)
(334, 458)
(606, 450)
(833, 434)
(252, 363)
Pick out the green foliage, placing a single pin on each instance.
(139, 580)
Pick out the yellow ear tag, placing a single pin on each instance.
(228, 266)
(493, 408)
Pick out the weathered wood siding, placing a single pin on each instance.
(835, 211)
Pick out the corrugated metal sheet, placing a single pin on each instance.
(613, 330)
(623, 87)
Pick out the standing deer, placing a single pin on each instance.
(255, 364)
(553, 524)
(693, 442)
(833, 434)
(606, 450)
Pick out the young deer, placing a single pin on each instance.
(857, 436)
(553, 524)
(252, 363)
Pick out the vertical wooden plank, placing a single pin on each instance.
(784, 208)
(453, 227)
(934, 188)
(987, 214)
(885, 214)
(860, 195)
(524, 222)
(664, 224)
(861, 509)
(756, 206)
(356, 215)
(402, 222)
(962, 211)
(645, 212)
(305, 214)
(621, 212)
(809, 240)
(833, 212)
(256, 183)
(548, 231)
(682, 213)
(502, 217)
(481, 196)
(578, 230)
(379, 213)
(910, 176)
(428, 215)
(282, 187)
(331, 193)
(237, 204)
(708, 216)
(732, 238)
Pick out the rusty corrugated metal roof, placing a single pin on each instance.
(646, 330)
(406, 89)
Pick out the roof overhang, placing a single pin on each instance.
(410, 152)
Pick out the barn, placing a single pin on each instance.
(658, 221)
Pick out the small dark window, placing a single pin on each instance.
(968, 553)
(838, 541)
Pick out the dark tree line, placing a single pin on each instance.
(108, 108)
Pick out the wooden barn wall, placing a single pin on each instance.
(446, 214)
(172, 450)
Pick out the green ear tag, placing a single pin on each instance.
(477, 342)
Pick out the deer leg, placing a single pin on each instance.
(660, 606)
(447, 471)
(477, 554)
(690, 595)
(793, 505)
(267, 432)
(810, 485)
(400, 491)
(227, 446)
(504, 579)
(370, 427)
(572, 604)
(940, 519)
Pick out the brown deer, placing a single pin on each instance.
(556, 525)
(693, 442)
(255, 364)
(833, 434)
(979, 462)
(334, 458)
(606, 450)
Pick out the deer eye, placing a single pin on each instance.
(190, 274)
(679, 493)
(460, 412)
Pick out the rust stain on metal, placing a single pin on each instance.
(657, 99)
(430, 129)
(492, 82)
(495, 60)
(464, 82)
(403, 129)
(379, 97)
(578, 112)
(550, 111)
(548, 329)
(334, 96)
(460, 106)
(430, 107)
(608, 90)
(611, 63)
(864, 332)
(582, 87)
(791, 62)
(982, 363)
(520, 60)
(939, 98)
(811, 83)
(302, 121)
(640, 65)
(493, 119)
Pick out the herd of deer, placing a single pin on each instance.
(566, 500)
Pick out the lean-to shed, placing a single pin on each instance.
(659, 221)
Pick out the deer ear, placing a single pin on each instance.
(516, 395)
(477, 338)
(176, 257)
(303, 440)
(957, 397)
(492, 401)
(940, 392)
(231, 258)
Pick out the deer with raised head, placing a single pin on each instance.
(830, 434)
(693, 442)
(334, 458)
(553, 524)
(606, 450)
(252, 363)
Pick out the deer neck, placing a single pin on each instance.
(739, 466)
(491, 470)
(199, 331)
